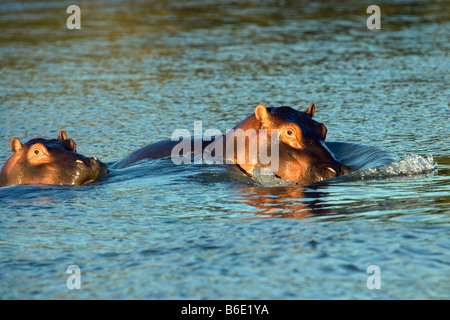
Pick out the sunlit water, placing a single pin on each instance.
(138, 70)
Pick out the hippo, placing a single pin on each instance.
(50, 162)
(303, 155)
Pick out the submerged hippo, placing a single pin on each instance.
(303, 154)
(49, 161)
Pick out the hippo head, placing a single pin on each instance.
(53, 161)
(303, 154)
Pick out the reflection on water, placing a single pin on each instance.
(284, 202)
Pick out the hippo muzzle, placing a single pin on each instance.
(85, 171)
(330, 171)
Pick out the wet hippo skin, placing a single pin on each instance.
(49, 161)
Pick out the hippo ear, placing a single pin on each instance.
(72, 145)
(16, 145)
(323, 131)
(62, 135)
(262, 114)
(310, 110)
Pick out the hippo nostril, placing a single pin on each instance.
(332, 170)
(79, 161)
(94, 161)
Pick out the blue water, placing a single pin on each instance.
(136, 71)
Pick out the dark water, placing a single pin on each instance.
(138, 70)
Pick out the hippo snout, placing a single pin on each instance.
(97, 166)
(339, 169)
(92, 163)
(329, 171)
(88, 170)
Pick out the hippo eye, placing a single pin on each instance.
(290, 132)
(38, 154)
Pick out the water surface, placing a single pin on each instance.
(137, 70)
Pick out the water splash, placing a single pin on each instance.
(262, 176)
(410, 165)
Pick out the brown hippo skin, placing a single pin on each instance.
(50, 162)
(303, 154)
